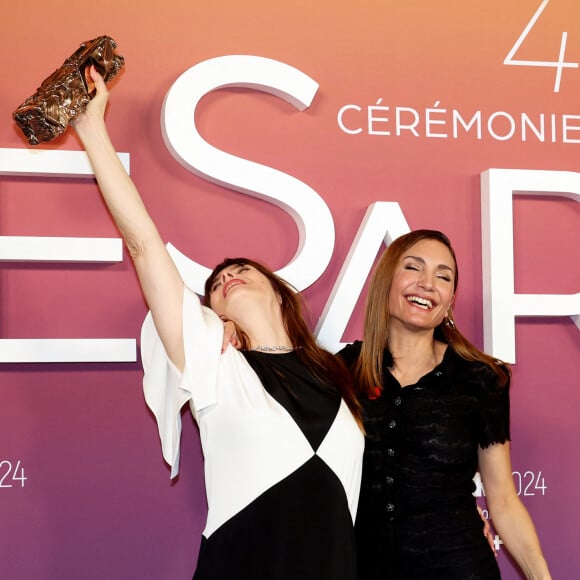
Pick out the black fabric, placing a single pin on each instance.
(417, 517)
(299, 529)
(311, 403)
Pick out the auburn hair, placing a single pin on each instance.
(375, 347)
(327, 367)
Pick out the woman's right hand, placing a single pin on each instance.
(160, 281)
(94, 112)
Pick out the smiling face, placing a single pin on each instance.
(422, 288)
(256, 296)
(233, 285)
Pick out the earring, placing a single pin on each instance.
(450, 322)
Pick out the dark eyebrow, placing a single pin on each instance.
(414, 258)
(422, 261)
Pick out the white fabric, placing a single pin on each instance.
(249, 440)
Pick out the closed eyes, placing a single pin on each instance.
(218, 282)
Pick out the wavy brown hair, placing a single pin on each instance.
(375, 347)
(322, 363)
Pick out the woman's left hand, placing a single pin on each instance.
(230, 336)
(487, 532)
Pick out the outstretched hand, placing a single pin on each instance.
(95, 110)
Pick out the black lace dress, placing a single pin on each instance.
(417, 517)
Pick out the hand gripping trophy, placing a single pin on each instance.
(66, 92)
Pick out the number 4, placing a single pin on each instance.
(16, 477)
(540, 484)
(559, 65)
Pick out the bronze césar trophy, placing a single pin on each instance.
(66, 92)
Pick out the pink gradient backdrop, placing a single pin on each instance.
(98, 502)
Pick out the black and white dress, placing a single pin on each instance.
(282, 455)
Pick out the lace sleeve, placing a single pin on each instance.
(495, 410)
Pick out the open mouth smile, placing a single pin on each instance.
(230, 284)
(424, 303)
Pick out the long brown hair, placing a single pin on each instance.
(375, 347)
(322, 363)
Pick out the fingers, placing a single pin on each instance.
(92, 119)
(487, 531)
(97, 78)
(98, 81)
(230, 336)
(95, 109)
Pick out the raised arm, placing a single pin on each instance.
(158, 276)
(510, 517)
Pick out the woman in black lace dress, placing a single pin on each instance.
(436, 410)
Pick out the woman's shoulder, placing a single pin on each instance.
(350, 353)
(477, 372)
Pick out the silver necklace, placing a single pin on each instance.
(276, 348)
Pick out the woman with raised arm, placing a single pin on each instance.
(435, 410)
(278, 420)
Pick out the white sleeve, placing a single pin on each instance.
(166, 389)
